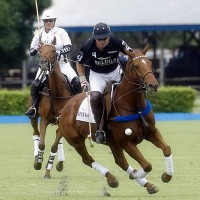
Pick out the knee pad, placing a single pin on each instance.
(76, 84)
(96, 101)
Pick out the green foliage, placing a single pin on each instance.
(167, 99)
(13, 102)
(16, 24)
(173, 99)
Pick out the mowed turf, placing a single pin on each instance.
(19, 181)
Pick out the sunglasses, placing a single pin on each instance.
(48, 20)
(102, 39)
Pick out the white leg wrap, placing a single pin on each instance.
(40, 156)
(61, 155)
(129, 170)
(50, 161)
(140, 181)
(99, 168)
(36, 140)
(169, 165)
(140, 174)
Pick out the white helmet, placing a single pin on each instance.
(48, 14)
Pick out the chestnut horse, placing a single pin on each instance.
(129, 119)
(54, 96)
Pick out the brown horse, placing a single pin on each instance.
(129, 120)
(54, 96)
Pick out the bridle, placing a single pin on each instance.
(139, 77)
(141, 86)
(46, 63)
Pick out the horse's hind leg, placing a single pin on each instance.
(61, 156)
(157, 139)
(80, 147)
(56, 147)
(121, 161)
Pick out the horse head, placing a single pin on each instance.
(140, 66)
(47, 56)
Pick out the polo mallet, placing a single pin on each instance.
(36, 8)
(89, 120)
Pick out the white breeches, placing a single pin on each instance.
(65, 69)
(98, 81)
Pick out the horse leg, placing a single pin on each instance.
(36, 135)
(135, 153)
(55, 147)
(36, 139)
(61, 156)
(41, 146)
(88, 160)
(121, 161)
(157, 139)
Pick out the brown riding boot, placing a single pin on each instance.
(96, 101)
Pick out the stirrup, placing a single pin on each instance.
(31, 112)
(100, 136)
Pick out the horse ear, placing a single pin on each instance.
(54, 41)
(144, 51)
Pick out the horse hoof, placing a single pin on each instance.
(166, 178)
(59, 166)
(47, 177)
(37, 166)
(152, 189)
(113, 183)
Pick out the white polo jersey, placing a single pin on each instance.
(62, 39)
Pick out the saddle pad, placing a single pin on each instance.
(83, 114)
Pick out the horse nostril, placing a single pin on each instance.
(153, 87)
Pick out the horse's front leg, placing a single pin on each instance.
(36, 135)
(56, 147)
(156, 138)
(121, 161)
(135, 153)
(41, 146)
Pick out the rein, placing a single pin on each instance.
(53, 97)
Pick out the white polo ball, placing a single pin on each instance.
(128, 131)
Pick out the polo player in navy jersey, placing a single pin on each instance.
(101, 53)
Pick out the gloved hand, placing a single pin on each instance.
(33, 51)
(85, 86)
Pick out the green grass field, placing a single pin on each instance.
(19, 181)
